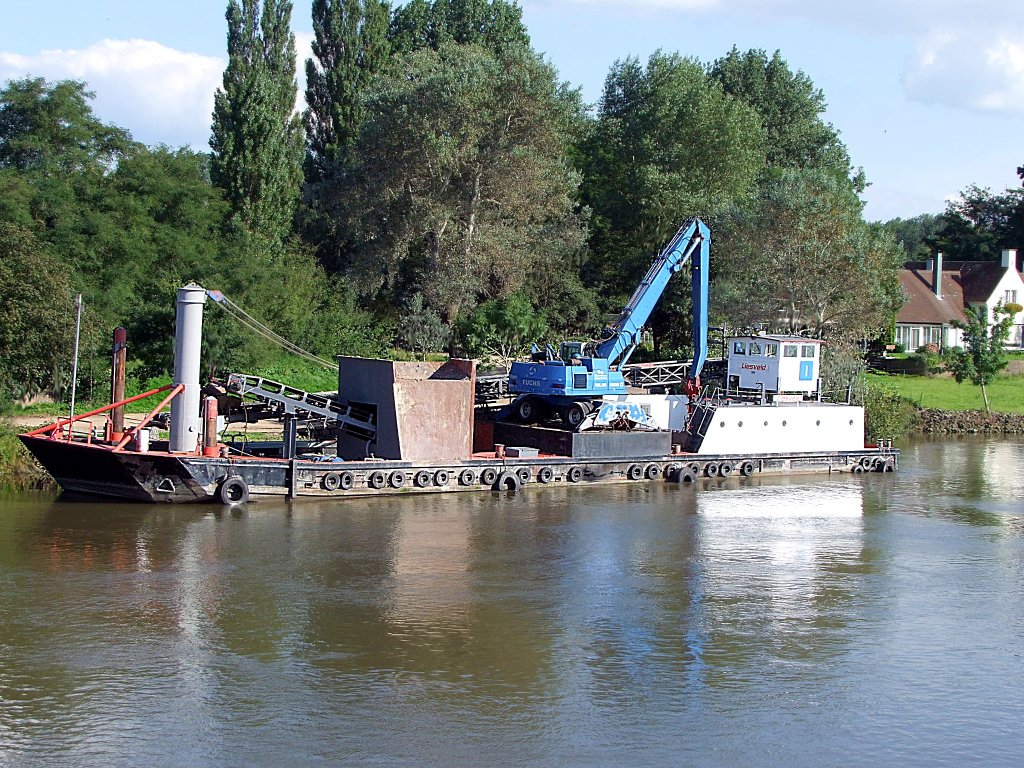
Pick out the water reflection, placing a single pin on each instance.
(610, 625)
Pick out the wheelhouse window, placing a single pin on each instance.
(739, 347)
(789, 350)
(807, 350)
(754, 348)
(771, 350)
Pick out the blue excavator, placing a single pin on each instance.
(570, 382)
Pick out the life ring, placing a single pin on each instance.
(397, 479)
(234, 490)
(747, 468)
(545, 475)
(507, 481)
(441, 477)
(635, 472)
(377, 480)
(652, 471)
(725, 469)
(524, 475)
(331, 481)
(488, 476)
(347, 480)
(467, 477)
(711, 469)
(574, 475)
(422, 479)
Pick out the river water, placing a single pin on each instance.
(849, 621)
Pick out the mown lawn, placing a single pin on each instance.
(1005, 394)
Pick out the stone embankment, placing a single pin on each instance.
(970, 422)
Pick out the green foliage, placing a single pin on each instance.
(421, 328)
(789, 106)
(668, 143)
(984, 347)
(888, 415)
(18, 469)
(461, 188)
(257, 141)
(502, 329)
(493, 24)
(914, 234)
(800, 256)
(36, 315)
(350, 46)
(978, 225)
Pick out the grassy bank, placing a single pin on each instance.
(18, 470)
(1005, 394)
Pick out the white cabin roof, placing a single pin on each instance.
(778, 338)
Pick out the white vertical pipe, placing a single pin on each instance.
(188, 339)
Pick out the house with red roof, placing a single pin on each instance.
(938, 293)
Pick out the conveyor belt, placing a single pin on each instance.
(300, 402)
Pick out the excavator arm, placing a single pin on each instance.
(691, 243)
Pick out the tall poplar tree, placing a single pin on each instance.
(257, 137)
(350, 45)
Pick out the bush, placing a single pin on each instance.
(887, 414)
(899, 349)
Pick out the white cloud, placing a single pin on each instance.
(972, 69)
(160, 94)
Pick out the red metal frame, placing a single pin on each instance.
(65, 422)
(131, 431)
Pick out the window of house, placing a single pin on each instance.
(1010, 297)
(807, 350)
(771, 350)
(739, 347)
(933, 335)
(754, 348)
(789, 350)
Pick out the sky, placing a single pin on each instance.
(928, 95)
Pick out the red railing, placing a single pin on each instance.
(59, 425)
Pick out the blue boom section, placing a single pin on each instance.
(562, 381)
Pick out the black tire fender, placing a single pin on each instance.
(467, 477)
(233, 490)
(422, 479)
(377, 480)
(347, 480)
(725, 469)
(651, 471)
(507, 481)
(857, 469)
(687, 475)
(747, 468)
(488, 476)
(574, 475)
(397, 479)
(711, 469)
(545, 475)
(441, 477)
(635, 472)
(331, 481)
(524, 475)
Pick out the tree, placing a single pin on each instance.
(350, 46)
(800, 256)
(668, 143)
(914, 234)
(36, 315)
(421, 328)
(460, 185)
(978, 225)
(984, 354)
(493, 24)
(503, 329)
(257, 140)
(789, 106)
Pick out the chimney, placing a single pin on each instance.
(937, 275)
(1009, 258)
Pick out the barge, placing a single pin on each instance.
(401, 428)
